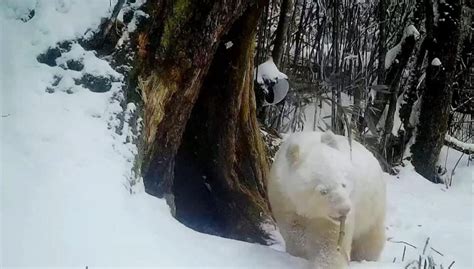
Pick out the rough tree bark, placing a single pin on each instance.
(286, 9)
(382, 51)
(436, 99)
(202, 147)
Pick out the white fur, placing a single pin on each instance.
(314, 180)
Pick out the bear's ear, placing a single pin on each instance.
(293, 154)
(329, 138)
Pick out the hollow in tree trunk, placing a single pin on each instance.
(202, 146)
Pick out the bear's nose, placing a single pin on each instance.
(344, 210)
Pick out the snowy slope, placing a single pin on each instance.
(63, 171)
(62, 184)
(419, 210)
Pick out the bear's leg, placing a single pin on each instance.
(294, 233)
(330, 258)
(369, 246)
(324, 236)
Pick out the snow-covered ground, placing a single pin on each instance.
(419, 210)
(64, 172)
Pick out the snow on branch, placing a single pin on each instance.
(436, 62)
(459, 145)
(392, 54)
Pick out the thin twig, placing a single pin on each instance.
(402, 242)
(449, 267)
(437, 252)
(454, 168)
(426, 244)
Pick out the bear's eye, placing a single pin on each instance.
(343, 185)
(323, 192)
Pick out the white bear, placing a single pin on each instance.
(314, 181)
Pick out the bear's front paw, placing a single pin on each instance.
(335, 261)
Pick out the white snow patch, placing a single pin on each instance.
(391, 55)
(415, 113)
(269, 71)
(466, 146)
(419, 209)
(411, 31)
(393, 52)
(436, 62)
(397, 122)
(228, 45)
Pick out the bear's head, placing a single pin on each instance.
(318, 179)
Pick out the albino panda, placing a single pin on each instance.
(315, 181)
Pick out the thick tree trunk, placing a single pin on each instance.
(286, 9)
(436, 100)
(202, 146)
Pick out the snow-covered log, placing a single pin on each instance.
(459, 145)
